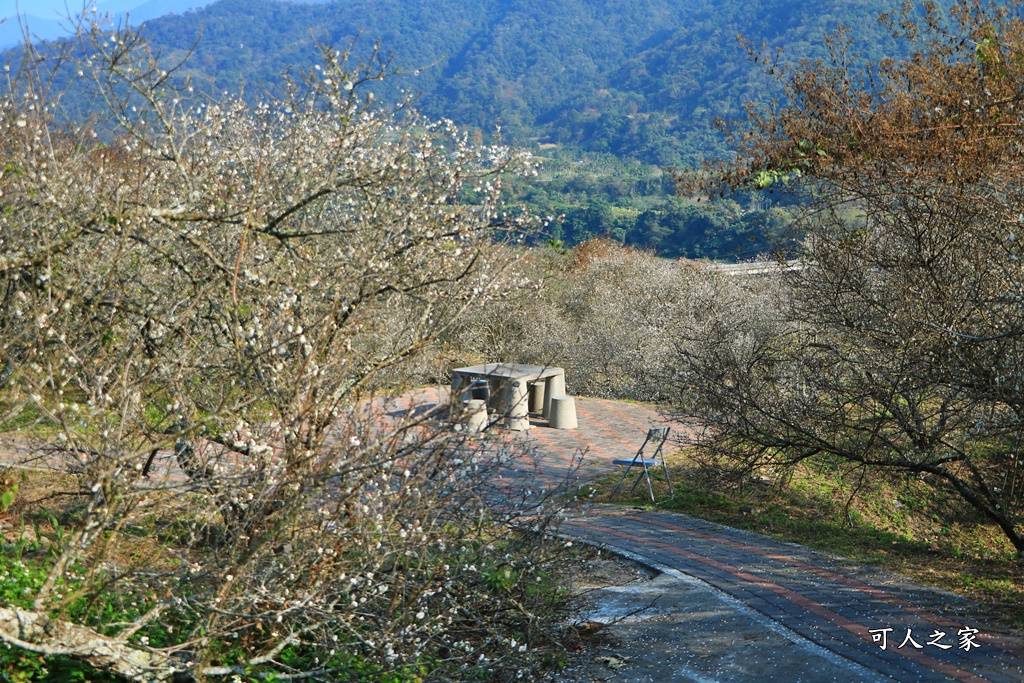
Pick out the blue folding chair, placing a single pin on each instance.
(657, 436)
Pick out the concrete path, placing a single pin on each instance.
(676, 628)
(831, 616)
(835, 604)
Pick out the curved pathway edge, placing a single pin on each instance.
(856, 669)
(845, 608)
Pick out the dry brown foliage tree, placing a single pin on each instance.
(898, 346)
(606, 313)
(197, 299)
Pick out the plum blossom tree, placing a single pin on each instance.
(204, 304)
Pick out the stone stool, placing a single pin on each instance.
(563, 413)
(554, 387)
(476, 416)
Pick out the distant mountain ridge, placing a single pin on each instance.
(639, 78)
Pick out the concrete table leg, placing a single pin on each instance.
(554, 387)
(499, 401)
(537, 398)
(518, 415)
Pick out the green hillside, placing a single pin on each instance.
(608, 92)
(636, 78)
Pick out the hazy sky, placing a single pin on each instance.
(51, 9)
(44, 15)
(48, 9)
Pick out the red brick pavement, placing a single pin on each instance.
(831, 602)
(608, 430)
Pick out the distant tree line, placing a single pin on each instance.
(589, 196)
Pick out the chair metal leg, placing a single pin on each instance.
(621, 480)
(635, 484)
(650, 488)
(671, 491)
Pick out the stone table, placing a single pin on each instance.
(512, 388)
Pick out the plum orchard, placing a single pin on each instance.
(228, 283)
(898, 345)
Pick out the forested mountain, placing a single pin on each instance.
(637, 78)
(608, 91)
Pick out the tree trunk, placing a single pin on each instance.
(35, 632)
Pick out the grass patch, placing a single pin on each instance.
(902, 524)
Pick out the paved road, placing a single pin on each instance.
(836, 604)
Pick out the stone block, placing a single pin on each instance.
(563, 413)
(476, 416)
